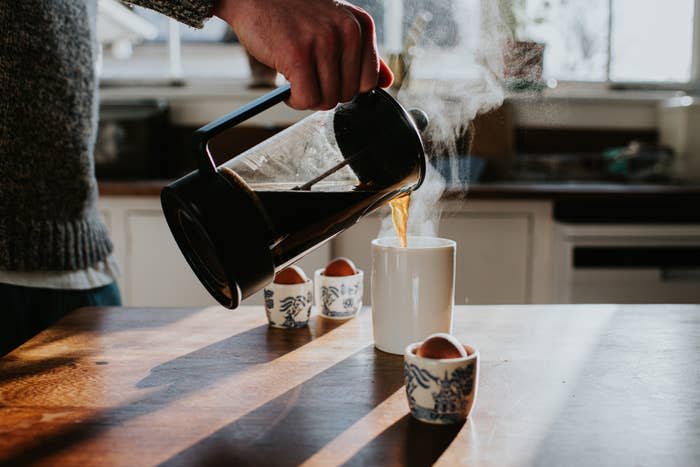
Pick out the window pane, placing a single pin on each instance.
(156, 19)
(574, 33)
(212, 51)
(652, 40)
(128, 55)
(449, 46)
(208, 52)
(214, 30)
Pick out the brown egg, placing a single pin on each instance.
(340, 267)
(441, 345)
(291, 275)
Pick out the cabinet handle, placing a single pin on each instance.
(680, 274)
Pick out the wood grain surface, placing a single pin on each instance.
(560, 385)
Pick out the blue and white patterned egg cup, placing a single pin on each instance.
(441, 391)
(288, 305)
(338, 297)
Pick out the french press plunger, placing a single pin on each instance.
(239, 223)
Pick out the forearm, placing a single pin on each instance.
(191, 12)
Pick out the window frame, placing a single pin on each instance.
(692, 85)
(173, 47)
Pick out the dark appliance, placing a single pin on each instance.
(132, 140)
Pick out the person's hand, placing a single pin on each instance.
(325, 48)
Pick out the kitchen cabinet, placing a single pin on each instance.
(503, 249)
(154, 272)
(507, 252)
(613, 263)
(502, 252)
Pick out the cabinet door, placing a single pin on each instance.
(644, 285)
(615, 263)
(493, 257)
(501, 253)
(493, 254)
(317, 259)
(354, 243)
(156, 273)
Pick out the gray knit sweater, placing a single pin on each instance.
(48, 114)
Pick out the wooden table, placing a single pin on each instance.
(560, 385)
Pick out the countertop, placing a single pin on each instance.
(559, 385)
(524, 190)
(599, 203)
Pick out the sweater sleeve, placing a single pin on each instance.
(191, 12)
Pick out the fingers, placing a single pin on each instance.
(386, 76)
(351, 66)
(369, 74)
(339, 59)
(333, 58)
(302, 77)
(328, 66)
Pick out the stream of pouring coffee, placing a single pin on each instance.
(399, 214)
(473, 51)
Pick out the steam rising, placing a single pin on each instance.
(469, 82)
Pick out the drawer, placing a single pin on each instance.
(637, 285)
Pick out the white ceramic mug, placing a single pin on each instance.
(288, 305)
(338, 297)
(412, 290)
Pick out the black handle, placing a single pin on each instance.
(240, 115)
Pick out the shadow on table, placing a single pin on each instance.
(16, 369)
(108, 320)
(294, 426)
(224, 358)
(407, 442)
(46, 352)
(177, 379)
(634, 400)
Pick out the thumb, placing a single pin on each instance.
(386, 77)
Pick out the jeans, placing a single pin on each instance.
(26, 311)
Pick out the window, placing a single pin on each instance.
(651, 40)
(619, 41)
(176, 51)
(172, 51)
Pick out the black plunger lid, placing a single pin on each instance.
(376, 125)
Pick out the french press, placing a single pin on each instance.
(241, 222)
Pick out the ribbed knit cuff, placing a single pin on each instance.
(191, 12)
(52, 245)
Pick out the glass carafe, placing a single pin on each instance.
(241, 222)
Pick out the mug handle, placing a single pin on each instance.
(208, 131)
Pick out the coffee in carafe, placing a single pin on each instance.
(240, 222)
